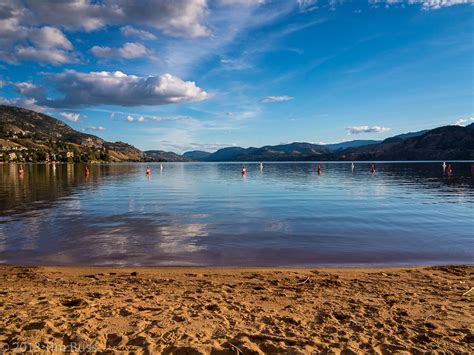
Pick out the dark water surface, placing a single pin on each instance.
(208, 214)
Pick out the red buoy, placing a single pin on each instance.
(244, 171)
(372, 169)
(319, 169)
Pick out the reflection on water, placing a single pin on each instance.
(208, 214)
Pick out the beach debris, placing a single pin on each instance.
(303, 282)
(237, 350)
(468, 291)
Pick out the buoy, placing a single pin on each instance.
(352, 166)
(261, 166)
(372, 169)
(161, 166)
(148, 171)
(444, 165)
(244, 171)
(319, 169)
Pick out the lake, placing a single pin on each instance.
(209, 214)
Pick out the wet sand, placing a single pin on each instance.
(237, 311)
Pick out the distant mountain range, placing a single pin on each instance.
(443, 143)
(33, 136)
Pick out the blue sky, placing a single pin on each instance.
(196, 74)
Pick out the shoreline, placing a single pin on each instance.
(202, 310)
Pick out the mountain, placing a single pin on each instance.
(197, 155)
(32, 136)
(350, 144)
(36, 136)
(292, 151)
(443, 143)
(162, 156)
(402, 137)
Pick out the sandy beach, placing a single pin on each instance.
(237, 311)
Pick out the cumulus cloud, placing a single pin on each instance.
(72, 117)
(49, 37)
(117, 88)
(31, 30)
(276, 98)
(464, 121)
(128, 51)
(95, 128)
(366, 129)
(53, 56)
(177, 18)
(28, 103)
(31, 90)
(130, 31)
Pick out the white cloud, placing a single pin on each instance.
(128, 51)
(242, 115)
(276, 98)
(464, 121)
(95, 128)
(28, 103)
(117, 88)
(53, 56)
(72, 117)
(177, 18)
(49, 37)
(241, 2)
(366, 129)
(29, 28)
(29, 89)
(130, 31)
(425, 4)
(135, 119)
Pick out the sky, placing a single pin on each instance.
(204, 74)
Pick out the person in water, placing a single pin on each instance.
(450, 170)
(148, 171)
(244, 171)
(21, 171)
(372, 169)
(319, 169)
(87, 171)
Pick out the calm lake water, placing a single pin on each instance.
(208, 214)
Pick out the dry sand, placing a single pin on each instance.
(232, 311)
